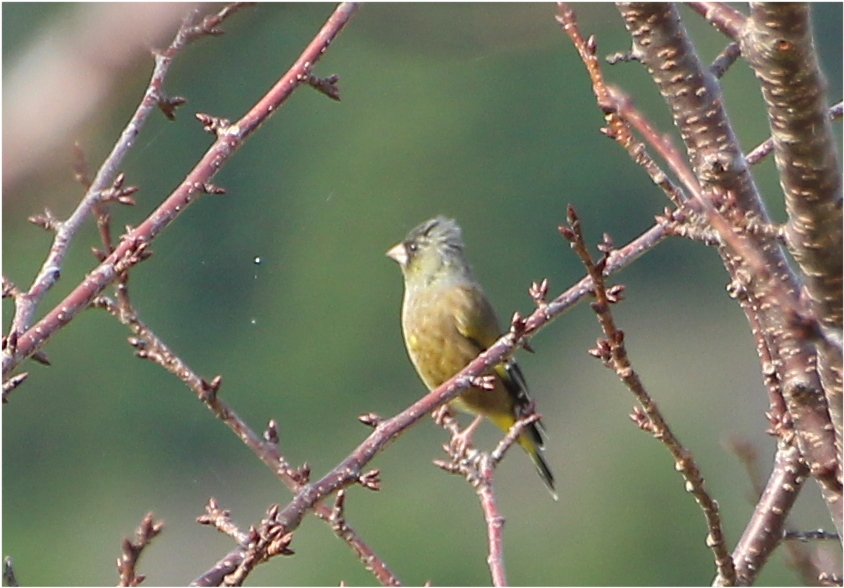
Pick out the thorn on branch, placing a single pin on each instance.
(370, 419)
(213, 124)
(169, 105)
(327, 86)
(370, 480)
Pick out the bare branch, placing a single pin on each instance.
(764, 530)
(31, 339)
(694, 97)
(614, 355)
(778, 45)
(105, 177)
(220, 519)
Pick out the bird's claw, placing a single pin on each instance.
(462, 441)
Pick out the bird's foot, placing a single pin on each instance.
(462, 441)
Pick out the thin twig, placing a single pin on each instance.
(478, 467)
(220, 519)
(614, 355)
(195, 183)
(66, 230)
(149, 346)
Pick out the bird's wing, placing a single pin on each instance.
(474, 317)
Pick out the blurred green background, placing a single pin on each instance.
(478, 111)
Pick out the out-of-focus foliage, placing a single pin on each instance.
(481, 112)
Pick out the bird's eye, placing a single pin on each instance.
(412, 247)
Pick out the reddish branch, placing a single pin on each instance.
(772, 504)
(723, 197)
(133, 248)
(149, 346)
(478, 467)
(694, 97)
(723, 17)
(613, 353)
(777, 43)
(29, 340)
(128, 252)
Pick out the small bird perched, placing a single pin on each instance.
(447, 322)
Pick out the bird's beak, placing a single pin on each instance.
(398, 253)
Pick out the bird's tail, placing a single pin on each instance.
(531, 441)
(535, 453)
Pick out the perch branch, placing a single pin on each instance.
(349, 471)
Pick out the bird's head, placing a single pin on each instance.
(431, 251)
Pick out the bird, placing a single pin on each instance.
(447, 321)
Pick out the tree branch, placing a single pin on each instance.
(127, 253)
(694, 97)
(777, 43)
